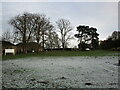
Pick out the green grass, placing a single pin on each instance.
(63, 54)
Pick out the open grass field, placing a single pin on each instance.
(61, 69)
(61, 72)
(63, 54)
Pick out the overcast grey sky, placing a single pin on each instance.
(101, 15)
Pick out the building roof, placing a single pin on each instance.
(6, 43)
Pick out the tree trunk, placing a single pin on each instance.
(37, 48)
(80, 47)
(63, 42)
(24, 37)
(24, 44)
(25, 47)
(43, 40)
(119, 62)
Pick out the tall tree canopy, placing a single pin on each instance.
(42, 27)
(64, 28)
(112, 42)
(52, 40)
(115, 35)
(88, 37)
(23, 25)
(30, 27)
(7, 36)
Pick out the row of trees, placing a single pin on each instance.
(38, 28)
(112, 42)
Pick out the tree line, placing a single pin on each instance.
(30, 27)
(112, 42)
(37, 28)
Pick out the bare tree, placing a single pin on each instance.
(23, 25)
(64, 27)
(31, 27)
(7, 36)
(42, 25)
(56, 40)
(52, 39)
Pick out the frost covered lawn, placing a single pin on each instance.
(61, 72)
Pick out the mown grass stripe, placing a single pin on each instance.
(63, 54)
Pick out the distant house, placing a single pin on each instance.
(19, 48)
(34, 47)
(7, 45)
(31, 47)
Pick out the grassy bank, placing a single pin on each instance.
(63, 53)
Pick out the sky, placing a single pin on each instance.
(101, 15)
